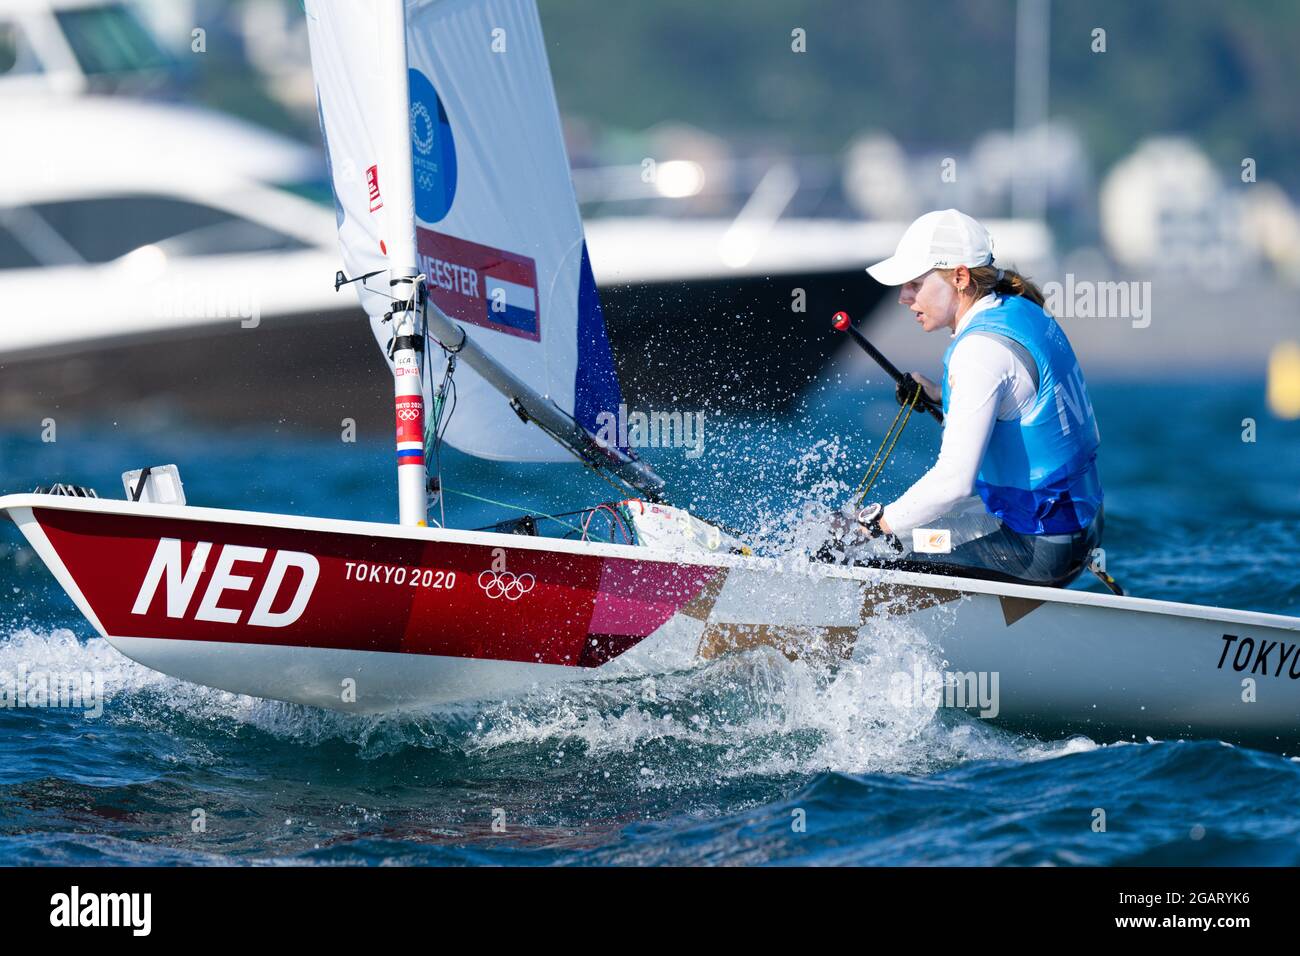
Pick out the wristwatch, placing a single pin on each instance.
(868, 519)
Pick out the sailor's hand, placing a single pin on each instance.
(911, 382)
(842, 526)
(852, 527)
(872, 524)
(845, 527)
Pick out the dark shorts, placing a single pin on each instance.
(982, 546)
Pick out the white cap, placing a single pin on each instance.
(943, 239)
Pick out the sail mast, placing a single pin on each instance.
(393, 185)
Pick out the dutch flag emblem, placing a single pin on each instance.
(511, 304)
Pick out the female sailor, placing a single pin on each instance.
(1015, 493)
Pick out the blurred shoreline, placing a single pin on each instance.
(1188, 332)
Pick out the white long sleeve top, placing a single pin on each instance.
(988, 382)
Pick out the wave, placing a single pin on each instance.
(751, 715)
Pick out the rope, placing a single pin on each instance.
(506, 504)
(618, 521)
(615, 523)
(881, 457)
(443, 403)
(596, 468)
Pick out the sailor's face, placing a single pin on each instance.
(932, 299)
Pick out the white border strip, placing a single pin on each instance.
(36, 537)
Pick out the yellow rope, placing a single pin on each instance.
(882, 453)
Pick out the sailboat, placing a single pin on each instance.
(460, 232)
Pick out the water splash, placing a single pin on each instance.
(750, 714)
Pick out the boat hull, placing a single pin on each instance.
(368, 618)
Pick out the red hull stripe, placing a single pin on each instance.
(306, 588)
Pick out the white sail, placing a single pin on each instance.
(347, 53)
(496, 223)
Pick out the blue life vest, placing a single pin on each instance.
(1039, 474)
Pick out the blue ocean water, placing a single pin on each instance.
(748, 759)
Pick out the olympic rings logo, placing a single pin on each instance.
(408, 414)
(421, 128)
(506, 584)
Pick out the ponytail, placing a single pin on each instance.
(986, 279)
(1004, 282)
